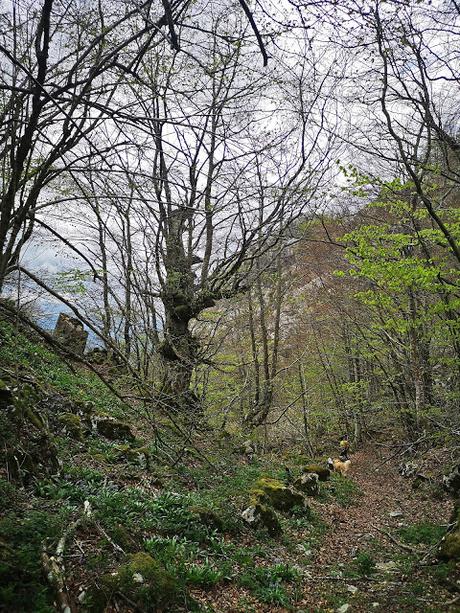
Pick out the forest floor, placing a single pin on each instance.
(171, 513)
(378, 553)
(368, 532)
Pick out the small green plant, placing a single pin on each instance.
(443, 570)
(266, 583)
(75, 484)
(274, 594)
(422, 533)
(243, 556)
(188, 562)
(364, 564)
(418, 588)
(171, 551)
(204, 575)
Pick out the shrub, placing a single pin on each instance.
(364, 563)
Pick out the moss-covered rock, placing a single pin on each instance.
(324, 474)
(450, 546)
(260, 515)
(142, 579)
(113, 429)
(207, 517)
(274, 493)
(125, 452)
(72, 425)
(308, 483)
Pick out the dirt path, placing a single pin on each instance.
(387, 503)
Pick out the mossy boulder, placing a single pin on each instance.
(113, 429)
(207, 517)
(450, 546)
(308, 483)
(135, 455)
(142, 579)
(324, 474)
(274, 493)
(451, 482)
(72, 425)
(261, 515)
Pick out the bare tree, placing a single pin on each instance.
(61, 67)
(400, 94)
(224, 191)
(63, 70)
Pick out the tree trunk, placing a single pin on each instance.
(417, 366)
(178, 353)
(182, 303)
(305, 412)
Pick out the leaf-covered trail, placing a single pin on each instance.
(387, 501)
(367, 529)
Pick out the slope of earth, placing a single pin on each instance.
(130, 517)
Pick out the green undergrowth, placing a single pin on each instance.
(379, 562)
(342, 490)
(19, 353)
(272, 585)
(363, 565)
(181, 523)
(197, 535)
(422, 533)
(23, 531)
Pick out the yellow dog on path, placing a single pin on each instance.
(339, 466)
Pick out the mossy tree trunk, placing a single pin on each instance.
(182, 302)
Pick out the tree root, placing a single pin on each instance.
(395, 541)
